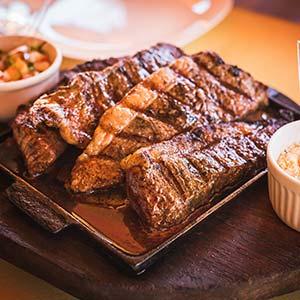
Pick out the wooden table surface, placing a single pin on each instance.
(263, 45)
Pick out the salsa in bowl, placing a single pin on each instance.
(29, 66)
(23, 62)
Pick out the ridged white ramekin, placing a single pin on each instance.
(284, 190)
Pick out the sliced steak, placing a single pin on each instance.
(74, 109)
(40, 145)
(166, 182)
(191, 90)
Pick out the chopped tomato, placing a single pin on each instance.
(22, 62)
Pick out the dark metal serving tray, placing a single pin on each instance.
(106, 217)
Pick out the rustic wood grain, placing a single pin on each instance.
(244, 251)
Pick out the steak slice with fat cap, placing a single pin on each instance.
(74, 109)
(192, 90)
(166, 182)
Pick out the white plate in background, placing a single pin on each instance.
(86, 29)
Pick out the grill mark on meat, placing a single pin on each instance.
(241, 81)
(134, 71)
(225, 84)
(184, 91)
(172, 112)
(173, 105)
(226, 156)
(172, 180)
(149, 128)
(179, 84)
(93, 91)
(117, 84)
(207, 167)
(246, 148)
(130, 139)
(213, 100)
(31, 140)
(161, 56)
(201, 170)
(77, 120)
(212, 86)
(181, 169)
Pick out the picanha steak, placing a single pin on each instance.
(198, 89)
(40, 145)
(166, 182)
(74, 109)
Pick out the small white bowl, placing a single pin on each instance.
(14, 93)
(284, 189)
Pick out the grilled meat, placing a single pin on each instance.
(75, 109)
(166, 182)
(191, 90)
(40, 145)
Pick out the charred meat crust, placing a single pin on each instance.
(74, 109)
(40, 145)
(192, 90)
(166, 182)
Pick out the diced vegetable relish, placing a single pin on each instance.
(23, 62)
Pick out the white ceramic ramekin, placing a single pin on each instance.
(14, 93)
(284, 190)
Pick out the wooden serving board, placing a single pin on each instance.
(244, 251)
(255, 261)
(107, 217)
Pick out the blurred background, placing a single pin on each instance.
(92, 28)
(287, 9)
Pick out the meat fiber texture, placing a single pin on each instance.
(70, 113)
(166, 182)
(192, 90)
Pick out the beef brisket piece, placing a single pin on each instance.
(191, 90)
(31, 139)
(166, 182)
(75, 109)
(40, 145)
